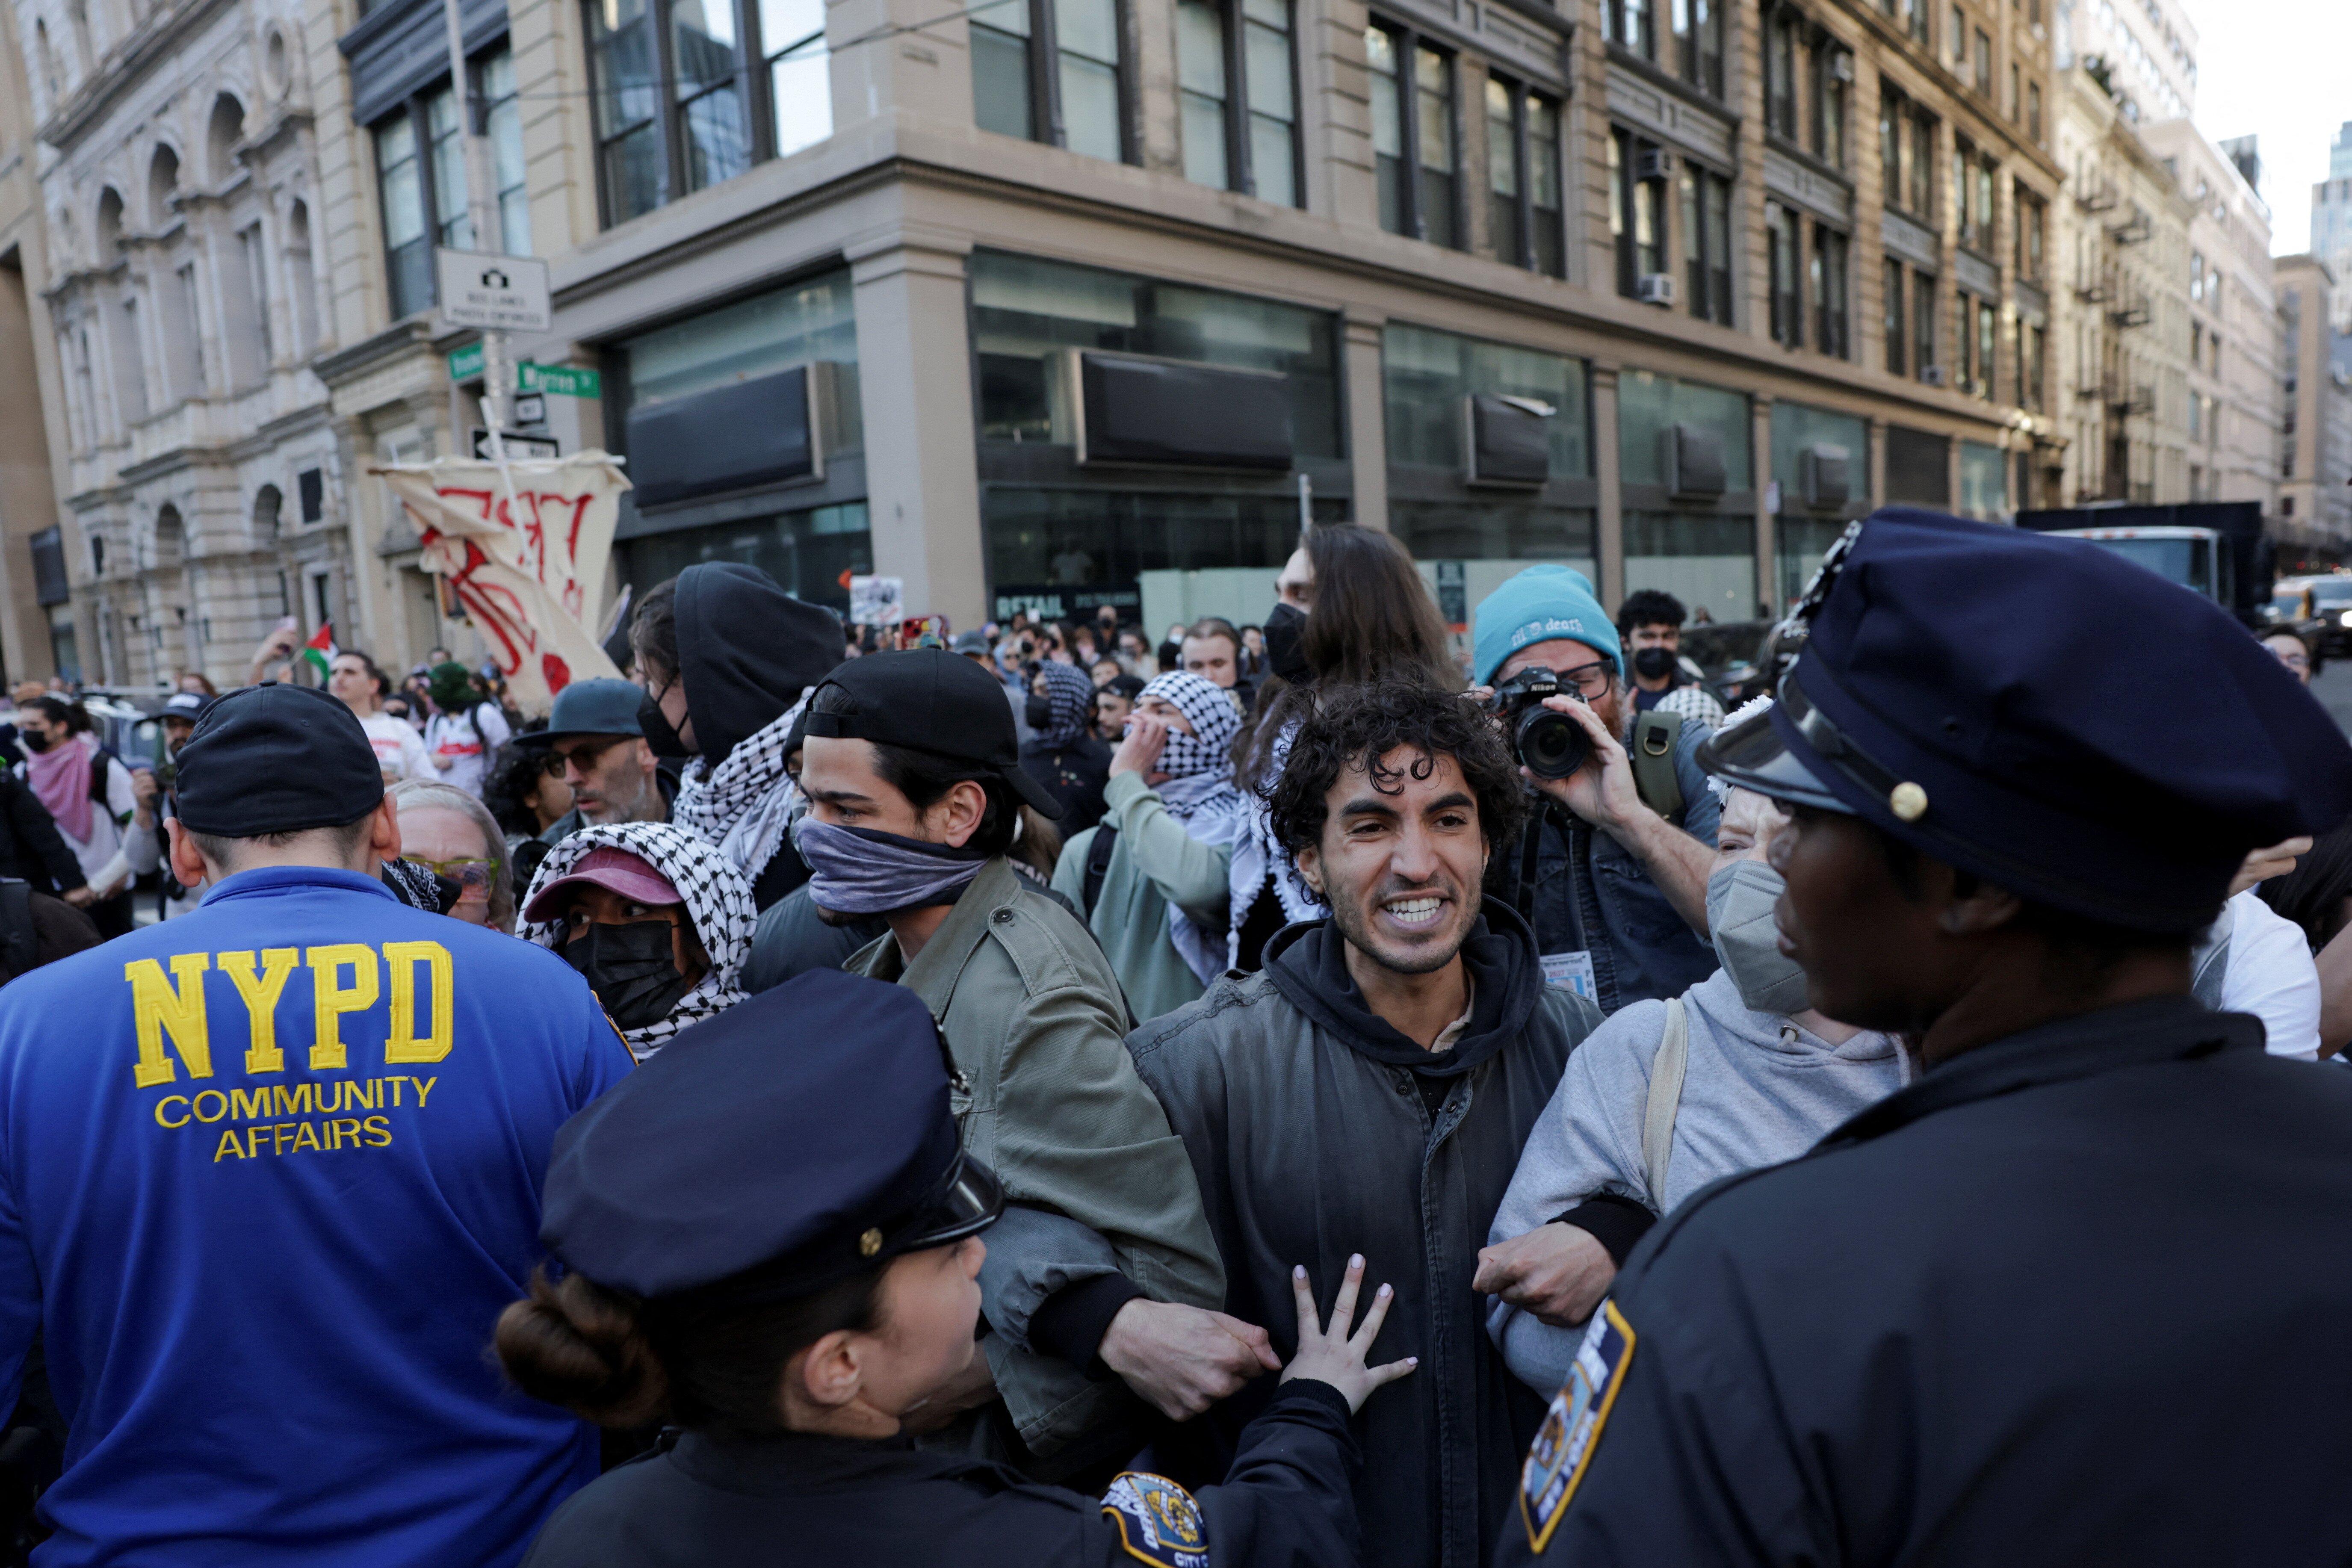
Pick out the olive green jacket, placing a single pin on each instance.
(1051, 1101)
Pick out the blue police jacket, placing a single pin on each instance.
(267, 1175)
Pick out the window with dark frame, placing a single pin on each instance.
(1697, 27)
(1523, 177)
(2034, 112)
(1053, 71)
(1417, 160)
(1636, 208)
(1783, 242)
(1237, 85)
(1984, 64)
(2033, 235)
(1891, 289)
(1628, 24)
(684, 96)
(1782, 50)
(1906, 153)
(1707, 241)
(1923, 321)
(1831, 326)
(420, 163)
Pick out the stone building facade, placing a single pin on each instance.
(200, 492)
(2315, 451)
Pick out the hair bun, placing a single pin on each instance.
(574, 1343)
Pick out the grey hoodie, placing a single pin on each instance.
(1756, 1090)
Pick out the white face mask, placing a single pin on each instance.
(1739, 900)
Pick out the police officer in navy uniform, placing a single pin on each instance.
(269, 1171)
(771, 1240)
(2078, 1293)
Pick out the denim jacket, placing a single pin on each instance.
(1590, 894)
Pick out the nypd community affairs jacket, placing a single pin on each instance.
(1318, 1131)
(269, 1173)
(1049, 1100)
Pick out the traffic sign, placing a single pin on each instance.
(506, 293)
(465, 364)
(565, 381)
(519, 448)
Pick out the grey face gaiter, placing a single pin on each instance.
(1739, 900)
(858, 871)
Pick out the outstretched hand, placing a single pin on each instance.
(1337, 1358)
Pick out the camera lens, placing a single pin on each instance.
(1552, 745)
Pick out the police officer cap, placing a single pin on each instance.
(277, 759)
(795, 1138)
(929, 699)
(2044, 714)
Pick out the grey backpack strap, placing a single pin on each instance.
(1665, 1098)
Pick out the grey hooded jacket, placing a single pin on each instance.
(1756, 1090)
(1311, 1127)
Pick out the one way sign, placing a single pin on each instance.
(497, 294)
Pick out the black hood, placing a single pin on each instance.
(747, 650)
(1308, 964)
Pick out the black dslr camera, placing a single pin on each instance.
(1551, 746)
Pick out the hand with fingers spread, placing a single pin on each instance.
(1337, 1357)
(1184, 1359)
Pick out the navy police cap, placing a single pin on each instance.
(797, 1136)
(276, 759)
(2046, 715)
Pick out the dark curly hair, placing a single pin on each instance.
(1358, 725)
(515, 771)
(1649, 607)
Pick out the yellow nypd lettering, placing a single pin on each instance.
(283, 1138)
(332, 999)
(405, 1044)
(173, 1006)
(164, 1115)
(252, 1106)
(260, 991)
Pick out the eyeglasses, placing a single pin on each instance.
(1590, 679)
(473, 876)
(586, 756)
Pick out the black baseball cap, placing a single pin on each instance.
(277, 759)
(930, 700)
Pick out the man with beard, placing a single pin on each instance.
(1372, 1087)
(596, 742)
(1103, 1263)
(2077, 1293)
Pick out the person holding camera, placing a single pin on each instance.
(1612, 870)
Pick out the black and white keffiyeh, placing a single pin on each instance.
(1199, 794)
(1072, 695)
(718, 897)
(1256, 856)
(744, 806)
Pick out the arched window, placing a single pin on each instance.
(225, 129)
(171, 537)
(162, 183)
(302, 284)
(109, 224)
(267, 502)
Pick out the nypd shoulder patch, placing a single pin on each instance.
(1158, 1520)
(1571, 1427)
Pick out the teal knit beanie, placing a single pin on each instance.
(1539, 603)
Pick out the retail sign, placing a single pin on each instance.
(465, 364)
(497, 293)
(563, 379)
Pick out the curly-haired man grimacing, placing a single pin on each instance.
(1372, 1087)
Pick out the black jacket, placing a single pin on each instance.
(1313, 1136)
(30, 845)
(746, 650)
(2077, 1296)
(1075, 772)
(703, 1503)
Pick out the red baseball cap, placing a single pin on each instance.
(617, 871)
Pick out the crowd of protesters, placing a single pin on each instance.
(968, 1076)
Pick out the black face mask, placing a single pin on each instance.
(1285, 637)
(660, 735)
(1651, 663)
(1039, 711)
(32, 742)
(632, 968)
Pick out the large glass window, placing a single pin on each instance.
(1784, 243)
(1907, 154)
(1781, 52)
(1523, 216)
(1237, 96)
(2033, 235)
(453, 224)
(420, 178)
(811, 554)
(2032, 341)
(1637, 218)
(690, 93)
(1698, 42)
(1830, 260)
(1984, 481)
(1702, 552)
(1629, 27)
(408, 244)
(503, 121)
(1923, 322)
(1414, 147)
(1054, 70)
(1806, 526)
(1891, 303)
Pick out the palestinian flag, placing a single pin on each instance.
(319, 651)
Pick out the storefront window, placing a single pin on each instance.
(807, 552)
(810, 323)
(1066, 552)
(1984, 481)
(1024, 310)
(1701, 549)
(1806, 526)
(1648, 403)
(1707, 561)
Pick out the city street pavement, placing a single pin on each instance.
(2333, 687)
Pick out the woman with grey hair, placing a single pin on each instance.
(448, 832)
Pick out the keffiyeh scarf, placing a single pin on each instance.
(1071, 693)
(1257, 857)
(744, 806)
(1199, 794)
(717, 899)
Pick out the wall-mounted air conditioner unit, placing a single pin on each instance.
(1507, 441)
(1654, 163)
(1827, 472)
(1691, 456)
(1128, 410)
(1655, 288)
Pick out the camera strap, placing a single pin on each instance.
(1655, 734)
